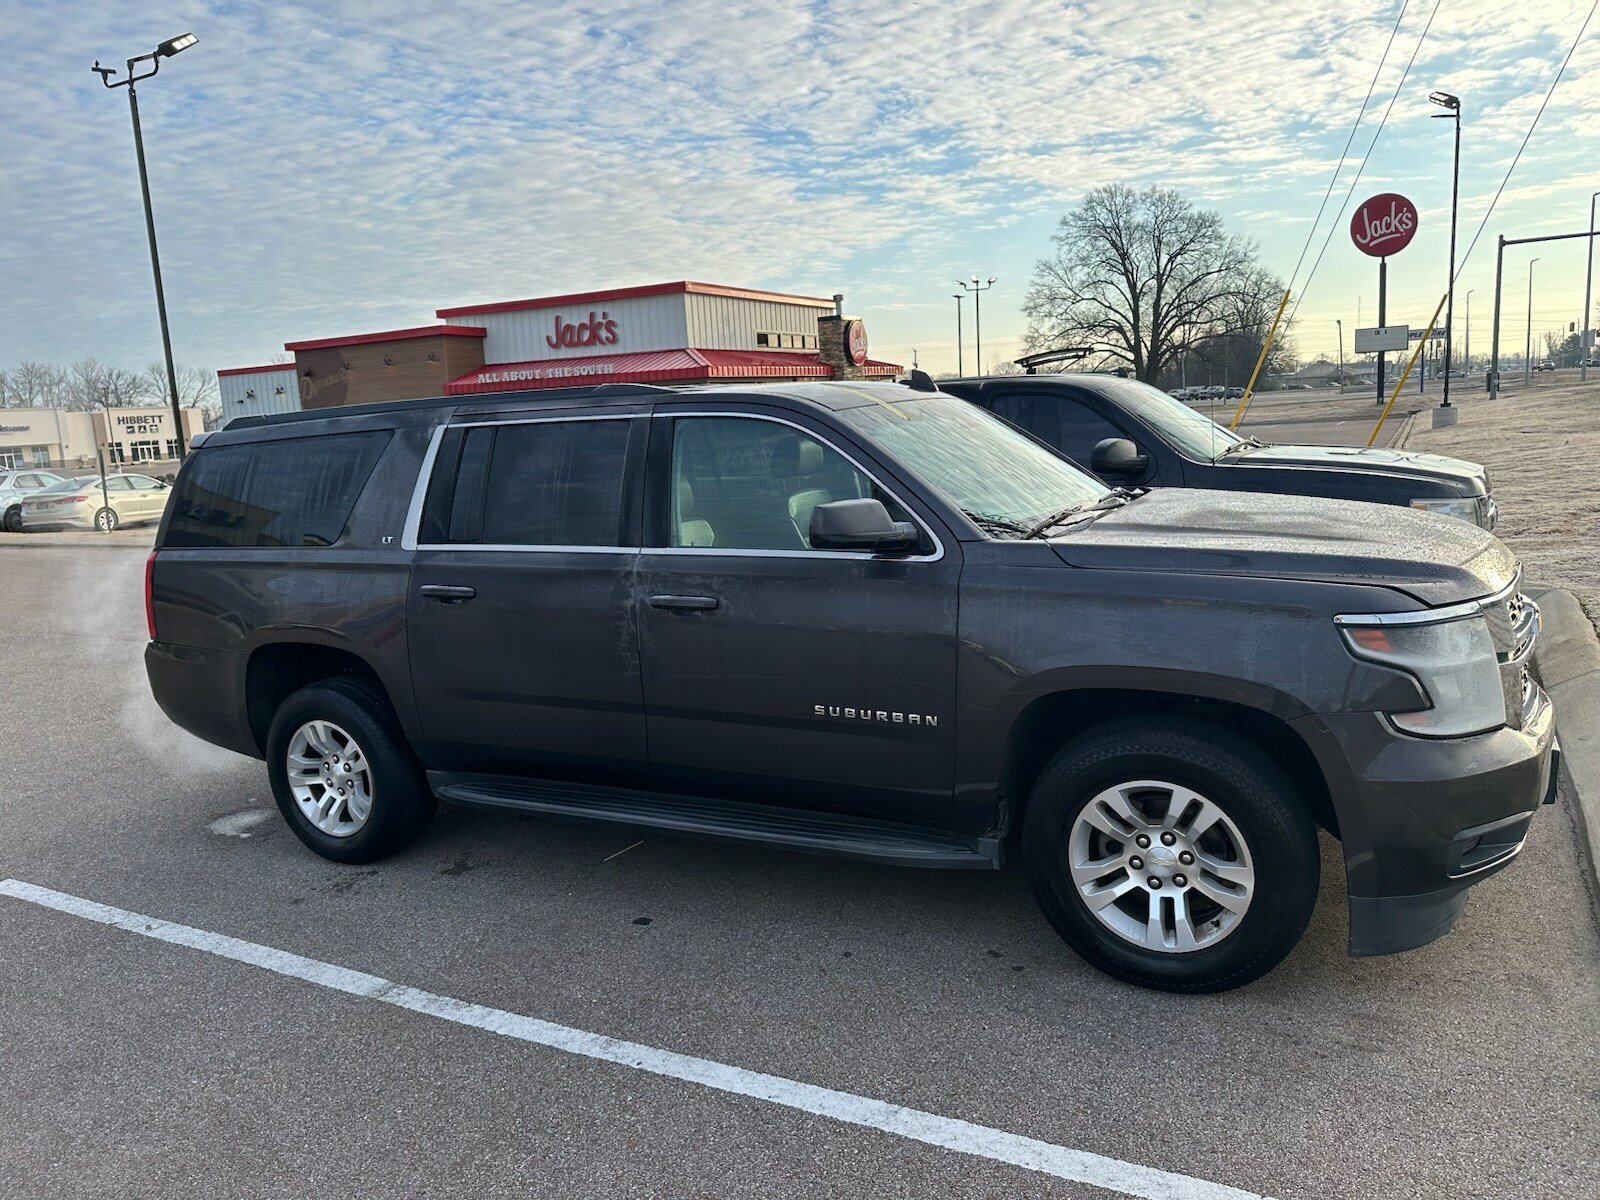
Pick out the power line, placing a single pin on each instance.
(1338, 166)
(1525, 137)
(1394, 96)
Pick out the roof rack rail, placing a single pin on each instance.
(1030, 363)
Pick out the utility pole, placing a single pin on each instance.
(961, 367)
(1585, 345)
(1527, 355)
(975, 287)
(1340, 324)
(165, 50)
(1466, 331)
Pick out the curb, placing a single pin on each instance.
(1568, 663)
(1399, 440)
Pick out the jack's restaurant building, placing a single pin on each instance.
(664, 333)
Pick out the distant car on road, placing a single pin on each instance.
(17, 486)
(1546, 365)
(82, 504)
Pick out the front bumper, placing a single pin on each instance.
(1423, 819)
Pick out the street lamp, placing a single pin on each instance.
(976, 287)
(1453, 106)
(1585, 348)
(961, 367)
(1527, 353)
(174, 45)
(1466, 329)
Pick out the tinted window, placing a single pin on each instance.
(117, 483)
(745, 484)
(296, 492)
(549, 483)
(1067, 424)
(1191, 432)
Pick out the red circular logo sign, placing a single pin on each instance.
(1384, 225)
(855, 340)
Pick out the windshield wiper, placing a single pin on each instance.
(994, 524)
(1113, 499)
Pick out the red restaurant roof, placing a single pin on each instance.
(389, 335)
(289, 366)
(648, 289)
(651, 366)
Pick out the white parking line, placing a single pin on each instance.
(949, 1133)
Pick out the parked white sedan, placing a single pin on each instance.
(82, 503)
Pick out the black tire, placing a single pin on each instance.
(402, 804)
(13, 519)
(106, 520)
(1226, 769)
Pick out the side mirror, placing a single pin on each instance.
(1118, 456)
(860, 525)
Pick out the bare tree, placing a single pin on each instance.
(92, 384)
(1143, 277)
(35, 385)
(197, 387)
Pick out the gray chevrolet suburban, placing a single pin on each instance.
(862, 620)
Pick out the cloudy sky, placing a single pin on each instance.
(350, 165)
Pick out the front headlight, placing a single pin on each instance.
(1465, 509)
(1455, 663)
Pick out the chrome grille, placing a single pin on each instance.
(1513, 621)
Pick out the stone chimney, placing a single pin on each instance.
(833, 342)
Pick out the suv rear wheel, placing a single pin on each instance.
(342, 773)
(1172, 853)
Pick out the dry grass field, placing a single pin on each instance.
(1542, 449)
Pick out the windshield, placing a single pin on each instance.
(1194, 434)
(974, 460)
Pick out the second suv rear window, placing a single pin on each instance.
(295, 492)
(541, 483)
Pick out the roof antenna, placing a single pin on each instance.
(920, 381)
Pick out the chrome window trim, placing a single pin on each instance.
(408, 538)
(852, 555)
(1432, 616)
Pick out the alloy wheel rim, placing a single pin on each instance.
(105, 520)
(1161, 866)
(330, 778)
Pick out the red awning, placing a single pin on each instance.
(649, 366)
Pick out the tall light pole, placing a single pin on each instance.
(1340, 324)
(961, 368)
(1453, 106)
(166, 49)
(1585, 348)
(1527, 354)
(975, 287)
(1466, 330)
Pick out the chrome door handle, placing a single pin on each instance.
(447, 593)
(684, 603)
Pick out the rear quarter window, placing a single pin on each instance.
(293, 492)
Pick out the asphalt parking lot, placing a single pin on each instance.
(135, 1066)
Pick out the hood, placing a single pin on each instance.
(1437, 560)
(1471, 478)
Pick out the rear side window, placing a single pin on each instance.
(544, 483)
(296, 492)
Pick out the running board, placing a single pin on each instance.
(725, 820)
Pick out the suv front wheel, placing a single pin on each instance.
(343, 776)
(1172, 853)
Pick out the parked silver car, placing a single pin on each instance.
(83, 503)
(17, 486)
